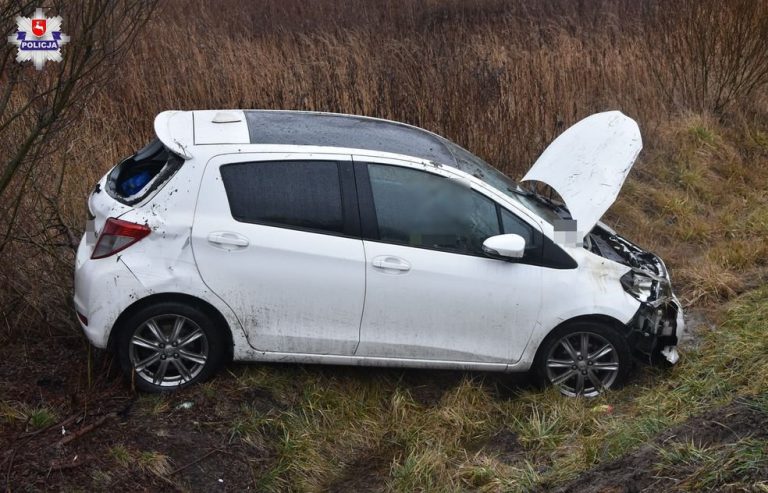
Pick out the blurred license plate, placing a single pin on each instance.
(90, 232)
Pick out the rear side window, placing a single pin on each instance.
(297, 194)
(420, 209)
(140, 175)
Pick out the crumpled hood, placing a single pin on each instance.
(588, 163)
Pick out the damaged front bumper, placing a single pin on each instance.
(656, 329)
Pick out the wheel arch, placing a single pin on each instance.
(186, 299)
(620, 327)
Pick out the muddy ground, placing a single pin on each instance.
(79, 451)
(104, 435)
(638, 471)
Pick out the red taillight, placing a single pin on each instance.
(118, 235)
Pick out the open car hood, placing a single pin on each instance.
(587, 165)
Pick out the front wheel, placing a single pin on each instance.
(584, 359)
(168, 346)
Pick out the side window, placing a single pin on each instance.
(419, 209)
(514, 225)
(300, 194)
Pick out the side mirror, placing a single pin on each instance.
(508, 246)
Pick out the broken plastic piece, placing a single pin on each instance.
(670, 352)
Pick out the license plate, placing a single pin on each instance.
(90, 232)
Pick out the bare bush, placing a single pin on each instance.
(39, 114)
(707, 54)
(36, 108)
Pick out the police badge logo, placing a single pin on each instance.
(39, 39)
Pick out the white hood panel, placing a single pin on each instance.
(588, 163)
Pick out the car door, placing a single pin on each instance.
(431, 293)
(278, 240)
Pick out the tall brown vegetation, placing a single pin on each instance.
(500, 78)
(37, 108)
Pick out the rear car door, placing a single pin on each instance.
(277, 238)
(431, 292)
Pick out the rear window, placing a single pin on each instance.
(295, 194)
(145, 172)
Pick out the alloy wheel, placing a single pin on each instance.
(582, 364)
(168, 350)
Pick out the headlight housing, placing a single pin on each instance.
(643, 287)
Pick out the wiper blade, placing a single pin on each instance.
(520, 191)
(559, 208)
(536, 196)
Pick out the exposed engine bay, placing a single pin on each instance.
(606, 243)
(654, 326)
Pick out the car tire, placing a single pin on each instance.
(170, 345)
(563, 361)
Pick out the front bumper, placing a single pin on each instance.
(656, 329)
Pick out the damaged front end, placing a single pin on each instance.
(658, 323)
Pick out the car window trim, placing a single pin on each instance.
(557, 259)
(369, 222)
(350, 211)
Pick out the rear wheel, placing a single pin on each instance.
(170, 345)
(584, 359)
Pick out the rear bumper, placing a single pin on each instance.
(95, 333)
(102, 288)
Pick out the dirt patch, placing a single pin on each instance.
(505, 445)
(103, 436)
(636, 471)
(261, 400)
(427, 387)
(697, 322)
(368, 472)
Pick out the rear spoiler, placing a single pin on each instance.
(175, 131)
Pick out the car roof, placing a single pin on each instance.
(238, 131)
(306, 128)
(346, 131)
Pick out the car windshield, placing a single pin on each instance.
(541, 206)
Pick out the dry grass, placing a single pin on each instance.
(501, 79)
(446, 444)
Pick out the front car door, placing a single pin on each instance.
(431, 292)
(277, 238)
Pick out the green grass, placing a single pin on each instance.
(36, 417)
(121, 454)
(41, 417)
(440, 446)
(733, 465)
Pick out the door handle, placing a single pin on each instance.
(221, 238)
(388, 262)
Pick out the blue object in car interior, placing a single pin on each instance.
(135, 183)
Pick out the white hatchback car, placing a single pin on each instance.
(324, 238)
